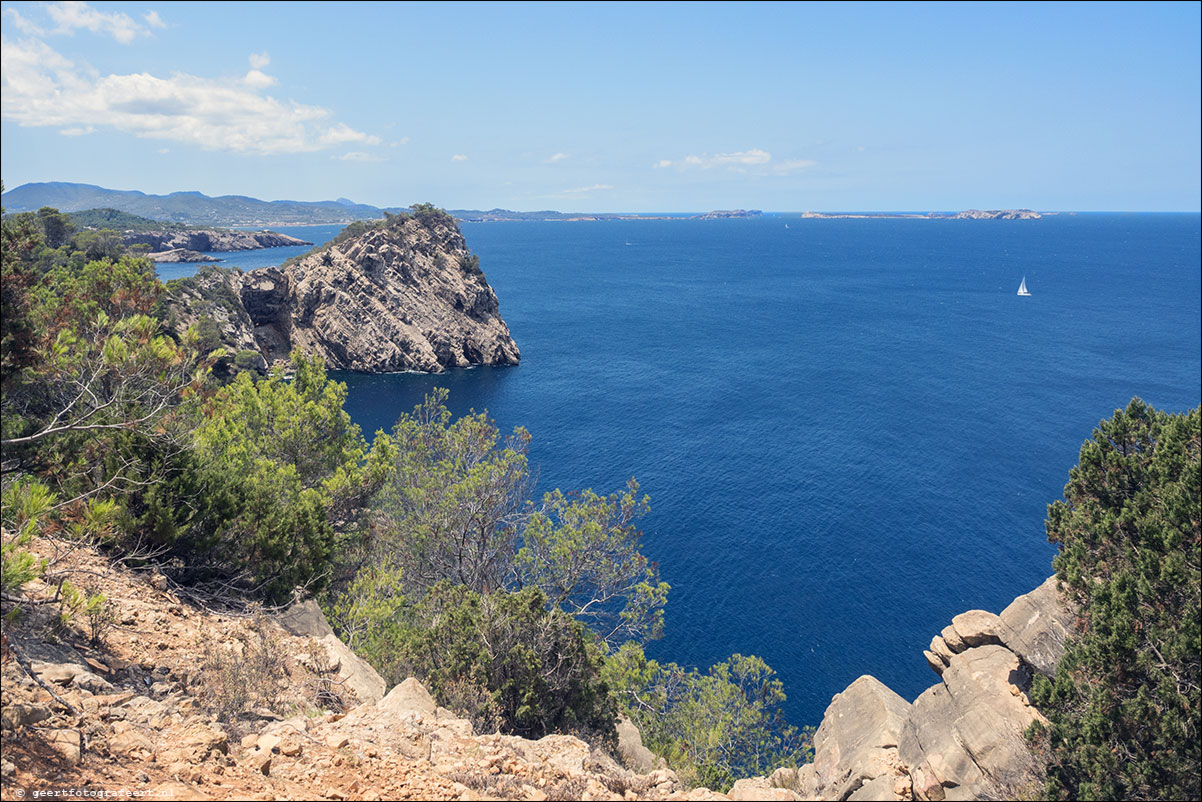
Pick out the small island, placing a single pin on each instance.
(970, 214)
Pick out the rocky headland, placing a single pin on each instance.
(406, 294)
(214, 239)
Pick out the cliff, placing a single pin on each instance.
(178, 256)
(209, 239)
(403, 295)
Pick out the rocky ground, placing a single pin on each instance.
(182, 702)
(174, 699)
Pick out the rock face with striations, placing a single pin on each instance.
(407, 295)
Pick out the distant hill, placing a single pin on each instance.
(186, 207)
(114, 219)
(194, 208)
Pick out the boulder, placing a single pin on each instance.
(354, 672)
(940, 648)
(953, 639)
(1036, 625)
(857, 740)
(635, 756)
(978, 628)
(66, 743)
(754, 789)
(305, 619)
(409, 697)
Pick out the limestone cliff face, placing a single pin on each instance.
(405, 296)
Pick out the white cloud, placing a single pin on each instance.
(163, 150)
(558, 157)
(342, 133)
(259, 60)
(258, 80)
(359, 156)
(579, 190)
(735, 160)
(792, 166)
(22, 23)
(40, 87)
(459, 157)
(71, 15)
(754, 161)
(154, 20)
(77, 131)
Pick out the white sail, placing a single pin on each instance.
(1022, 287)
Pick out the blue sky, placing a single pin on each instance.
(613, 107)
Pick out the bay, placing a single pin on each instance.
(850, 430)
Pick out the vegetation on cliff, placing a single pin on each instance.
(1124, 706)
(424, 545)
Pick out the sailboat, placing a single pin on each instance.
(1022, 287)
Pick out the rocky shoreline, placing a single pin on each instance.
(180, 256)
(214, 239)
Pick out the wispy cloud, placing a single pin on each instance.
(792, 166)
(459, 157)
(72, 15)
(755, 161)
(41, 87)
(558, 157)
(360, 156)
(259, 60)
(737, 159)
(154, 20)
(581, 190)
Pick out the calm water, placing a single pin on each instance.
(849, 429)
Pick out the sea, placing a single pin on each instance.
(849, 429)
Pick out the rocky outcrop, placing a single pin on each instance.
(407, 295)
(179, 256)
(997, 214)
(216, 239)
(961, 738)
(404, 296)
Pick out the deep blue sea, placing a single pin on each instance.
(849, 429)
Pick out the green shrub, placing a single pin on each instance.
(713, 728)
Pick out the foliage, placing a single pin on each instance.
(274, 462)
(454, 506)
(115, 219)
(714, 727)
(1124, 705)
(583, 551)
(532, 668)
(25, 506)
(430, 215)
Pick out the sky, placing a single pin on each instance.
(613, 107)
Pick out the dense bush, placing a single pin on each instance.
(536, 667)
(1124, 705)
